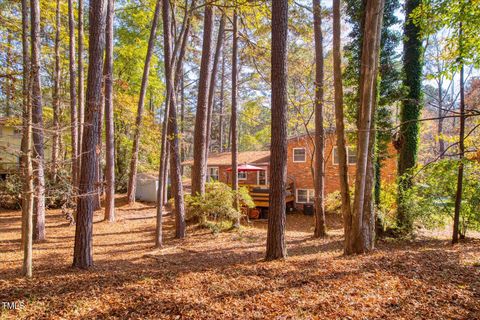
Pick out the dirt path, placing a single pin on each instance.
(224, 277)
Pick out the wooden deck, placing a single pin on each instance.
(261, 194)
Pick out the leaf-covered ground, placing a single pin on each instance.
(224, 276)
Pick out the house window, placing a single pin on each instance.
(305, 195)
(262, 177)
(213, 173)
(242, 175)
(299, 155)
(351, 155)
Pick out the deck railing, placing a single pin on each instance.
(261, 194)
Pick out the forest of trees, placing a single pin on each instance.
(104, 90)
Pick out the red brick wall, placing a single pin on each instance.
(301, 173)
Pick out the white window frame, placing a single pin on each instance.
(335, 150)
(266, 178)
(310, 195)
(218, 173)
(305, 153)
(243, 172)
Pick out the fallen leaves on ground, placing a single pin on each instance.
(224, 276)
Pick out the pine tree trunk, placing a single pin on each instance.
(199, 140)
(56, 96)
(109, 121)
(361, 230)
(83, 251)
(37, 122)
(233, 120)
(81, 88)
(132, 178)
(211, 93)
(320, 227)
(27, 169)
(276, 246)
(175, 172)
(410, 111)
(162, 175)
(73, 95)
(340, 125)
(222, 106)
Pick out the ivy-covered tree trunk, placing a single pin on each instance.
(410, 111)
(276, 246)
(320, 227)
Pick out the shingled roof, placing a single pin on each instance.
(225, 158)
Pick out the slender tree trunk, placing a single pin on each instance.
(8, 80)
(182, 116)
(97, 201)
(410, 111)
(162, 175)
(233, 121)
(132, 178)
(199, 140)
(441, 142)
(222, 105)
(56, 96)
(175, 173)
(73, 95)
(461, 147)
(83, 251)
(361, 228)
(109, 121)
(320, 227)
(165, 173)
(211, 93)
(339, 123)
(37, 122)
(81, 88)
(276, 246)
(27, 169)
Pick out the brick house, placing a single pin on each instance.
(300, 161)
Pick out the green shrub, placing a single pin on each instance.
(217, 203)
(57, 193)
(11, 192)
(431, 201)
(333, 202)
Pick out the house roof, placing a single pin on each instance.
(225, 158)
